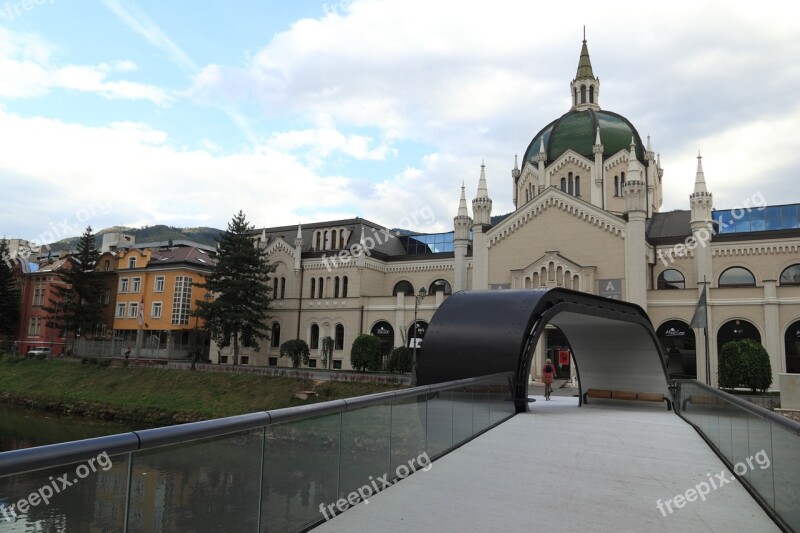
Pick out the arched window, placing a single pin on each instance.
(737, 277)
(736, 330)
(570, 184)
(131, 262)
(792, 340)
(403, 287)
(440, 285)
(791, 275)
(339, 339)
(616, 186)
(274, 288)
(344, 286)
(621, 182)
(319, 241)
(336, 287)
(320, 288)
(564, 184)
(678, 344)
(313, 286)
(575, 96)
(275, 341)
(577, 185)
(314, 340)
(671, 279)
(591, 94)
(108, 265)
(583, 94)
(283, 288)
(342, 244)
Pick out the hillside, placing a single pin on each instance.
(202, 235)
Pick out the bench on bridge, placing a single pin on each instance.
(626, 395)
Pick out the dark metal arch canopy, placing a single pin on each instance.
(475, 333)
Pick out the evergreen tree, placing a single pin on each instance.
(77, 305)
(9, 293)
(239, 281)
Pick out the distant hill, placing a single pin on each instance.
(146, 234)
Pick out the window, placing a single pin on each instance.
(403, 287)
(245, 359)
(272, 361)
(337, 364)
(275, 288)
(344, 286)
(314, 344)
(312, 363)
(133, 309)
(577, 185)
(440, 285)
(319, 241)
(737, 277)
(123, 285)
(223, 359)
(38, 296)
(283, 288)
(121, 310)
(156, 309)
(570, 184)
(791, 275)
(107, 265)
(616, 186)
(182, 300)
(671, 279)
(320, 288)
(575, 96)
(131, 262)
(339, 341)
(313, 286)
(158, 286)
(275, 341)
(336, 287)
(564, 184)
(106, 297)
(583, 94)
(35, 326)
(137, 284)
(591, 94)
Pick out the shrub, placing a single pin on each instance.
(297, 351)
(104, 362)
(400, 360)
(366, 353)
(746, 364)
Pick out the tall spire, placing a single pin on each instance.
(462, 204)
(585, 88)
(700, 179)
(584, 63)
(299, 232)
(483, 191)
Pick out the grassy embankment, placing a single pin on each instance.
(153, 395)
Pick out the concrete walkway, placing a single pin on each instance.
(562, 468)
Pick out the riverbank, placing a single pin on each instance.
(157, 396)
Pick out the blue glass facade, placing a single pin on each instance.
(430, 243)
(775, 217)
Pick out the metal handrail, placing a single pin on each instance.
(40, 457)
(786, 423)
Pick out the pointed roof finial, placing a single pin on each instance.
(584, 64)
(541, 146)
(299, 231)
(516, 165)
(584, 33)
(649, 146)
(462, 203)
(483, 191)
(700, 179)
(597, 137)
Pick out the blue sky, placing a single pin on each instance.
(117, 112)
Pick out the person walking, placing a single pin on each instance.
(548, 376)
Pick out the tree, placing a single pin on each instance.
(400, 360)
(78, 303)
(239, 281)
(366, 353)
(297, 351)
(327, 351)
(9, 293)
(744, 363)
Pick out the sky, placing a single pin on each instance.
(135, 113)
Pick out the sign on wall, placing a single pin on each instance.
(610, 288)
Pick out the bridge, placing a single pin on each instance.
(464, 449)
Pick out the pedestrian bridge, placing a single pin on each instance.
(462, 450)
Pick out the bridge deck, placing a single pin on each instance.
(563, 468)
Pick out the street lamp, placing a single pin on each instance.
(417, 299)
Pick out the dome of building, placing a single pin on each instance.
(577, 131)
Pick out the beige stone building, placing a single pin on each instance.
(587, 197)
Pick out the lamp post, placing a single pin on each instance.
(417, 299)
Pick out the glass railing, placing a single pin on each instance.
(282, 470)
(759, 446)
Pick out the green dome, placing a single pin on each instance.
(577, 130)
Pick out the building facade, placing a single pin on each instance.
(587, 197)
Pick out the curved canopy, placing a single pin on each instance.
(475, 333)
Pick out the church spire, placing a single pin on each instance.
(462, 204)
(483, 191)
(585, 88)
(700, 179)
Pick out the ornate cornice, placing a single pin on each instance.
(570, 157)
(728, 250)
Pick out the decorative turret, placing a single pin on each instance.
(540, 159)
(482, 204)
(515, 173)
(298, 248)
(585, 88)
(634, 191)
(700, 200)
(597, 171)
(462, 224)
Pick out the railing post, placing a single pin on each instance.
(261, 477)
(128, 495)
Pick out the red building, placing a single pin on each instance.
(37, 291)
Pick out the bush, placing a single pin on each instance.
(745, 364)
(366, 353)
(400, 360)
(104, 362)
(297, 351)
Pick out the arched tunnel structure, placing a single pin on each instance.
(475, 333)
